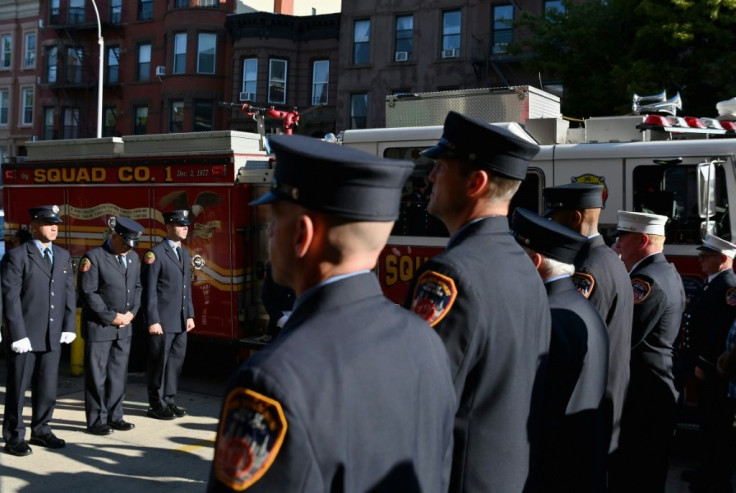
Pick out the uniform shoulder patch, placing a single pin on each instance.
(731, 297)
(641, 289)
(252, 430)
(85, 265)
(433, 296)
(149, 257)
(584, 283)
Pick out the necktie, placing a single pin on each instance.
(178, 254)
(121, 260)
(47, 256)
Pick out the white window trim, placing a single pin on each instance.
(25, 49)
(183, 70)
(214, 54)
(6, 91)
(23, 91)
(286, 79)
(2, 51)
(315, 82)
(255, 81)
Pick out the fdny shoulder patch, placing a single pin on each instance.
(85, 265)
(433, 297)
(641, 289)
(149, 257)
(252, 430)
(731, 297)
(584, 283)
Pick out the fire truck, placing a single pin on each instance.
(212, 174)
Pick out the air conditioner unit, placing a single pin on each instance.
(247, 96)
(160, 71)
(451, 53)
(401, 56)
(500, 48)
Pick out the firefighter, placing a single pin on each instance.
(602, 278)
(705, 326)
(38, 294)
(167, 295)
(576, 436)
(355, 394)
(109, 285)
(650, 410)
(487, 303)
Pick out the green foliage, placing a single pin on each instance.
(604, 51)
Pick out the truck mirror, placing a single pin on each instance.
(707, 190)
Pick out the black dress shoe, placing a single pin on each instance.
(49, 440)
(160, 413)
(177, 411)
(99, 429)
(121, 425)
(20, 449)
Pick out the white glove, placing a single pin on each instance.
(67, 337)
(282, 321)
(22, 346)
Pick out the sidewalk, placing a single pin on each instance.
(157, 456)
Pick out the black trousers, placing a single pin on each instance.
(166, 354)
(105, 379)
(40, 371)
(716, 432)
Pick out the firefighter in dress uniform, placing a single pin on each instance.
(355, 394)
(602, 278)
(650, 410)
(578, 417)
(38, 294)
(705, 327)
(166, 277)
(487, 303)
(109, 285)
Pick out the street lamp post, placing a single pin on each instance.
(100, 82)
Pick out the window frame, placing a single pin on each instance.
(76, 13)
(136, 116)
(358, 57)
(201, 54)
(352, 116)
(403, 38)
(272, 83)
(6, 51)
(48, 126)
(145, 10)
(116, 11)
(26, 113)
(70, 122)
(141, 74)
(52, 64)
(249, 83)
(325, 83)
(197, 107)
(451, 40)
(174, 116)
(113, 67)
(29, 53)
(177, 57)
(4, 107)
(502, 29)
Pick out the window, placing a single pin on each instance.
(451, 20)
(4, 95)
(181, 4)
(145, 10)
(180, 53)
(48, 123)
(361, 41)
(277, 81)
(144, 62)
(208, 3)
(6, 56)
(358, 110)
(176, 117)
(116, 11)
(29, 52)
(206, 53)
(27, 110)
(52, 62)
(74, 58)
(320, 76)
(203, 116)
(71, 123)
(76, 11)
(404, 38)
(250, 78)
(113, 65)
(503, 18)
(109, 121)
(141, 120)
(54, 11)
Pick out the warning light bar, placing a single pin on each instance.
(688, 124)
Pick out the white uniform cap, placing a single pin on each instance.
(719, 245)
(641, 222)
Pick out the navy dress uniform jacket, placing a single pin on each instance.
(707, 320)
(39, 301)
(602, 278)
(354, 395)
(578, 439)
(496, 329)
(167, 288)
(106, 290)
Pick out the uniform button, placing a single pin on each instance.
(52, 307)
(51, 320)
